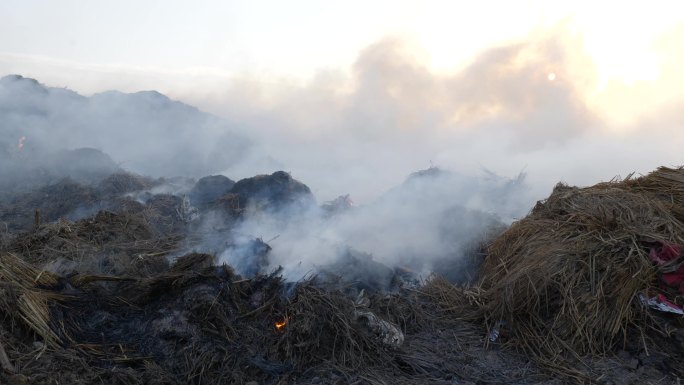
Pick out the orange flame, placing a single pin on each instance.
(20, 145)
(280, 325)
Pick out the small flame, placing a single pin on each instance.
(20, 145)
(280, 325)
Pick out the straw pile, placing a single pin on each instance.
(193, 322)
(566, 278)
(323, 322)
(53, 202)
(97, 301)
(125, 182)
(23, 296)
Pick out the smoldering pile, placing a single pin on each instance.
(124, 280)
(100, 283)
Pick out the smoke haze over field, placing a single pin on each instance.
(145, 131)
(541, 102)
(434, 217)
(363, 130)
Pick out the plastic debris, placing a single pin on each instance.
(388, 332)
(661, 303)
(495, 332)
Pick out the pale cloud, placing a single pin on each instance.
(362, 128)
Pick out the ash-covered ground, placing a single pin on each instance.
(114, 277)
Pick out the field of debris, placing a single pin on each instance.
(102, 281)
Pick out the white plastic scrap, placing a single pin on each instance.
(495, 332)
(362, 299)
(390, 333)
(657, 304)
(187, 212)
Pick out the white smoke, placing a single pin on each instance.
(361, 130)
(434, 216)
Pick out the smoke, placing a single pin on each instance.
(361, 131)
(145, 132)
(434, 217)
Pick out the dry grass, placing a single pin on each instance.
(323, 322)
(22, 274)
(34, 310)
(571, 271)
(24, 297)
(564, 281)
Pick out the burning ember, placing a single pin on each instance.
(280, 325)
(20, 145)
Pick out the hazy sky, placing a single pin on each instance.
(577, 90)
(297, 38)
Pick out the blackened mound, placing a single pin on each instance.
(209, 189)
(274, 191)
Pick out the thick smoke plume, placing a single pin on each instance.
(360, 132)
(434, 218)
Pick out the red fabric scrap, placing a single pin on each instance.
(667, 252)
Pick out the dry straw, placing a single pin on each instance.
(564, 281)
(28, 301)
